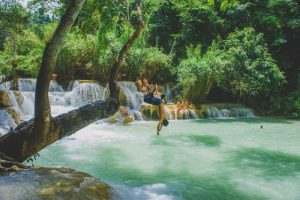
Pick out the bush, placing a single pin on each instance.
(292, 106)
(197, 73)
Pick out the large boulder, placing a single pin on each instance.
(52, 183)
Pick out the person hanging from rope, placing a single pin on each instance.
(153, 97)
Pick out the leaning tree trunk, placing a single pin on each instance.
(14, 145)
(32, 136)
(120, 57)
(42, 111)
(36, 134)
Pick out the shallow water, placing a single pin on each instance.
(196, 159)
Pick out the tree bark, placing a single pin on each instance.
(42, 108)
(16, 144)
(120, 57)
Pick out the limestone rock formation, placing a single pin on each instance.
(52, 183)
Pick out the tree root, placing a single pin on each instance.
(8, 165)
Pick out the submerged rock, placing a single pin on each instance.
(52, 183)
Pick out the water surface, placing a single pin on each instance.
(196, 159)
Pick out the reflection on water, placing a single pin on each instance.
(203, 159)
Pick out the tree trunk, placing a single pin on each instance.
(42, 111)
(15, 144)
(34, 135)
(120, 57)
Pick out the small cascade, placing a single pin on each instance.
(27, 107)
(214, 112)
(186, 114)
(6, 122)
(22, 101)
(26, 85)
(85, 93)
(55, 87)
(235, 112)
(5, 86)
(29, 85)
(169, 95)
(134, 98)
(168, 113)
(14, 103)
(193, 114)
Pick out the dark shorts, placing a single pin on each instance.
(149, 98)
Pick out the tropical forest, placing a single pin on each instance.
(149, 99)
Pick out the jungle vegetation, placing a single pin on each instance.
(237, 50)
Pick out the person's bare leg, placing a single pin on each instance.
(162, 116)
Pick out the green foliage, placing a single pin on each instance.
(292, 104)
(246, 49)
(249, 69)
(22, 55)
(199, 72)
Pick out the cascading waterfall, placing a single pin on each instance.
(237, 112)
(61, 101)
(6, 122)
(169, 95)
(85, 93)
(80, 93)
(134, 98)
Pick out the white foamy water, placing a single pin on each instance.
(61, 101)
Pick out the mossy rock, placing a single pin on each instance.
(4, 98)
(19, 97)
(52, 183)
(15, 115)
(150, 112)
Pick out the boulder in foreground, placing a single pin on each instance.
(52, 183)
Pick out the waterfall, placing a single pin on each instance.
(61, 101)
(85, 93)
(26, 85)
(168, 113)
(194, 114)
(213, 112)
(6, 122)
(80, 93)
(134, 98)
(236, 112)
(186, 114)
(5, 86)
(29, 85)
(169, 96)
